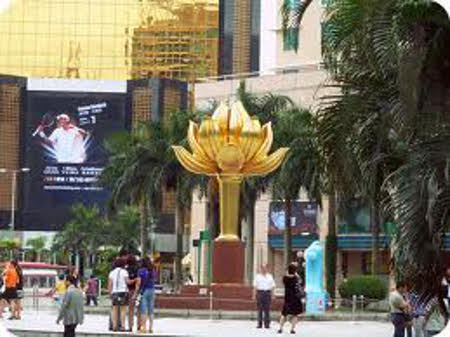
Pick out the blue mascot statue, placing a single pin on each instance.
(316, 295)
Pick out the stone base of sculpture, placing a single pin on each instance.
(228, 262)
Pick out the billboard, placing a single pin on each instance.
(67, 122)
(303, 220)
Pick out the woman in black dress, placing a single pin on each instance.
(292, 298)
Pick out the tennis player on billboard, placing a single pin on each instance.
(67, 142)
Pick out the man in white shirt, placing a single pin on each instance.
(118, 290)
(67, 141)
(263, 288)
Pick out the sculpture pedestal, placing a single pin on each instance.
(228, 262)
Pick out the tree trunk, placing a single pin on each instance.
(287, 256)
(375, 227)
(87, 263)
(179, 228)
(331, 246)
(143, 225)
(250, 251)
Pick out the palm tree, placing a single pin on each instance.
(364, 105)
(85, 233)
(292, 14)
(133, 162)
(301, 170)
(391, 71)
(265, 108)
(10, 246)
(173, 176)
(37, 245)
(121, 228)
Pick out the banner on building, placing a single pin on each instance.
(303, 219)
(67, 122)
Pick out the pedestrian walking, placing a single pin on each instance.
(9, 295)
(434, 320)
(263, 292)
(91, 291)
(292, 306)
(399, 308)
(118, 290)
(71, 312)
(146, 288)
(17, 308)
(60, 289)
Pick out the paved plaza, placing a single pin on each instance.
(96, 324)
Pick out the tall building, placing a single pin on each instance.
(181, 46)
(240, 37)
(98, 40)
(103, 39)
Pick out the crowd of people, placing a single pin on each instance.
(131, 288)
(411, 312)
(131, 285)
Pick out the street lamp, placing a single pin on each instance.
(13, 191)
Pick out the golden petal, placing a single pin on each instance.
(191, 164)
(205, 134)
(270, 164)
(239, 110)
(259, 145)
(238, 119)
(221, 117)
(194, 144)
(264, 149)
(251, 136)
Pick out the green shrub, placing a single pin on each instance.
(370, 287)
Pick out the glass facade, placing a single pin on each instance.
(109, 39)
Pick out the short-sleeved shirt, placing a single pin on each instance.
(60, 287)
(147, 279)
(396, 302)
(68, 145)
(264, 282)
(118, 279)
(11, 278)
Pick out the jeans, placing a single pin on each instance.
(418, 326)
(263, 300)
(90, 298)
(69, 330)
(147, 302)
(399, 324)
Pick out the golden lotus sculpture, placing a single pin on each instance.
(230, 145)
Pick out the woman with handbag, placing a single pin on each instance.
(293, 305)
(118, 290)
